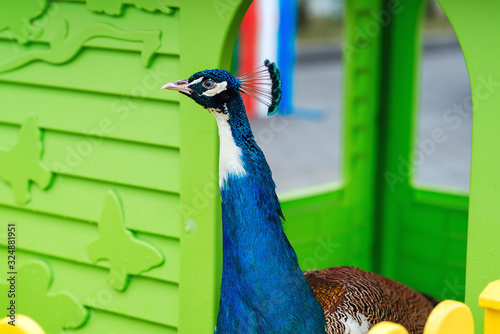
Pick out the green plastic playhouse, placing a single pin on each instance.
(108, 186)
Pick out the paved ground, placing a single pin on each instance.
(304, 151)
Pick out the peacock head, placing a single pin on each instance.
(209, 88)
(214, 89)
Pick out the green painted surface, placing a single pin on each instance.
(333, 225)
(20, 166)
(421, 233)
(376, 218)
(130, 225)
(201, 229)
(53, 311)
(477, 26)
(125, 253)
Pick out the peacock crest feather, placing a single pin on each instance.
(263, 84)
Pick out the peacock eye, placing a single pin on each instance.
(209, 84)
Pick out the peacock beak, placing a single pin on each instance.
(181, 86)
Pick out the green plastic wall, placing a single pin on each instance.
(376, 218)
(333, 224)
(422, 231)
(111, 181)
(477, 26)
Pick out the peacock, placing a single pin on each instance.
(263, 289)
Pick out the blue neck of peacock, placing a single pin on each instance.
(263, 288)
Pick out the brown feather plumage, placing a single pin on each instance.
(348, 290)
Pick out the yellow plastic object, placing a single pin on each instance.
(489, 299)
(386, 327)
(450, 317)
(23, 325)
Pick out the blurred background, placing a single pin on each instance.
(303, 144)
